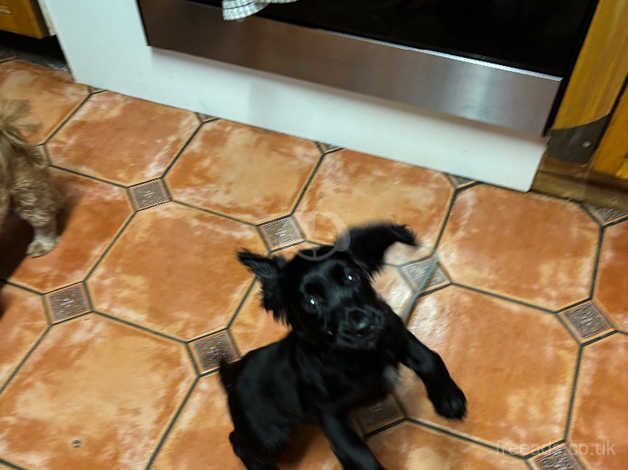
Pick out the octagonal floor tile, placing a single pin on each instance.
(200, 437)
(410, 447)
(93, 214)
(94, 394)
(351, 188)
(174, 269)
(514, 363)
(611, 290)
(598, 426)
(51, 94)
(529, 247)
(122, 139)
(22, 322)
(247, 173)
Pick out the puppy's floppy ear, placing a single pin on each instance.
(268, 271)
(368, 244)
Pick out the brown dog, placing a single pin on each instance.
(25, 185)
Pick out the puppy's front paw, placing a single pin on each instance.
(450, 401)
(41, 246)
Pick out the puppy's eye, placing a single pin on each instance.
(311, 302)
(351, 276)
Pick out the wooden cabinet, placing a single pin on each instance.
(22, 17)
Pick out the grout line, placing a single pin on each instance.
(572, 395)
(278, 250)
(234, 344)
(68, 319)
(24, 359)
(503, 297)
(188, 348)
(599, 338)
(596, 262)
(85, 175)
(441, 230)
(307, 185)
(10, 465)
(109, 247)
(572, 333)
(212, 212)
(180, 152)
(26, 288)
(266, 243)
(72, 113)
(166, 433)
(544, 449)
(590, 213)
(385, 427)
(461, 437)
(248, 292)
(139, 327)
(617, 221)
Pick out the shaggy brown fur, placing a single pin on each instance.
(25, 185)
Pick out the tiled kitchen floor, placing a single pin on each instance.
(109, 345)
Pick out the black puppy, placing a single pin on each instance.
(343, 351)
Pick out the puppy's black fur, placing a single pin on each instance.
(344, 346)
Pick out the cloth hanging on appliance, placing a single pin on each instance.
(239, 9)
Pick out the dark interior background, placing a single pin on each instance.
(538, 35)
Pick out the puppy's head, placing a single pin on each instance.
(326, 294)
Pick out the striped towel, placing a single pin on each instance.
(239, 9)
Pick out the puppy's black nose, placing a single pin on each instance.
(359, 322)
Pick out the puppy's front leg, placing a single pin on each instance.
(350, 449)
(447, 398)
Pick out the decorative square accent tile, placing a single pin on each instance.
(281, 233)
(558, 458)
(605, 215)
(460, 181)
(149, 194)
(326, 148)
(425, 274)
(211, 349)
(68, 302)
(206, 117)
(378, 415)
(586, 320)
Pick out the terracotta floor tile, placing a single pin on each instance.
(530, 247)
(611, 291)
(93, 215)
(122, 139)
(52, 95)
(175, 269)
(254, 327)
(351, 188)
(95, 394)
(22, 322)
(245, 172)
(515, 365)
(599, 426)
(200, 437)
(410, 447)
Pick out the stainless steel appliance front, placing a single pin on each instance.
(472, 89)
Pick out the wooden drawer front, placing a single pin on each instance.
(22, 17)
